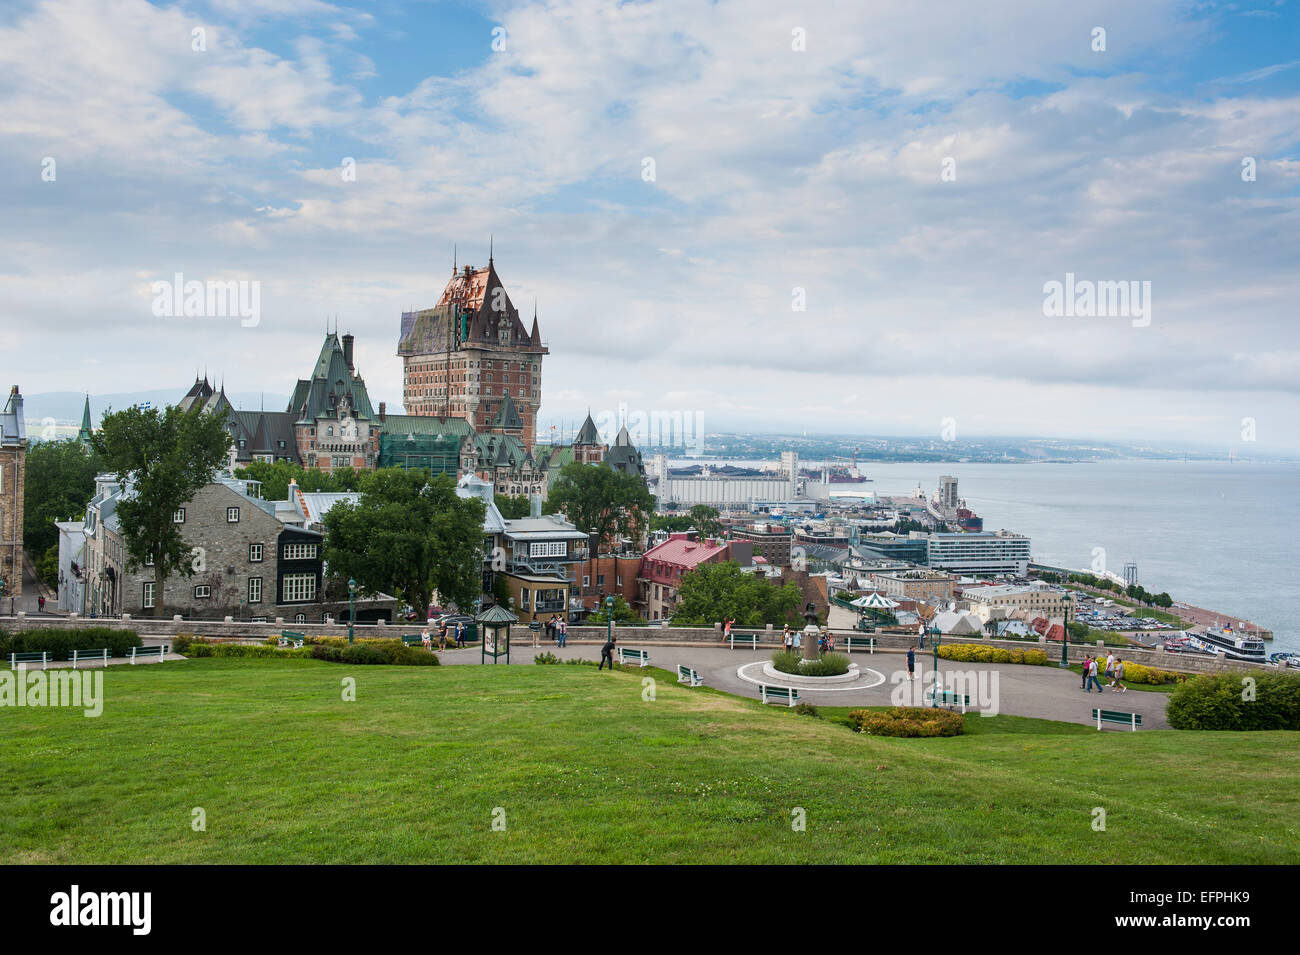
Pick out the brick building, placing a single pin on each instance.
(13, 464)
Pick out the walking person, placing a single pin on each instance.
(40, 600)
(1110, 663)
(607, 653)
(1092, 678)
(787, 639)
(1117, 678)
(562, 632)
(442, 634)
(460, 635)
(798, 639)
(911, 663)
(726, 630)
(1083, 683)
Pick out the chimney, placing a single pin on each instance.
(347, 350)
(383, 411)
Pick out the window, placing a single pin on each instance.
(232, 515)
(179, 517)
(547, 549)
(299, 588)
(148, 595)
(342, 461)
(255, 590)
(148, 561)
(586, 581)
(299, 551)
(619, 578)
(201, 591)
(600, 580)
(523, 599)
(300, 618)
(254, 553)
(329, 432)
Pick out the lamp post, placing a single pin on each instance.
(609, 618)
(1065, 633)
(352, 607)
(934, 691)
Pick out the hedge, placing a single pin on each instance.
(1216, 702)
(331, 649)
(981, 653)
(792, 662)
(909, 721)
(1152, 676)
(60, 643)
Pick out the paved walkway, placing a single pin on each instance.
(1045, 692)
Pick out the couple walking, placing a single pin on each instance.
(791, 640)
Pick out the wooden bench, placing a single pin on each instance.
(79, 656)
(24, 658)
(744, 638)
(416, 640)
(688, 676)
(948, 698)
(639, 657)
(786, 695)
(1131, 720)
(851, 641)
(290, 639)
(144, 653)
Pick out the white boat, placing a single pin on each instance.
(1234, 644)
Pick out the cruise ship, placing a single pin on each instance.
(1234, 644)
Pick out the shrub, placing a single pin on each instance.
(328, 652)
(1216, 702)
(907, 721)
(830, 664)
(1139, 673)
(807, 709)
(60, 643)
(982, 653)
(548, 658)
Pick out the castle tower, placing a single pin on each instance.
(465, 356)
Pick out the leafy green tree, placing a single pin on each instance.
(672, 523)
(47, 568)
(597, 498)
(409, 535)
(622, 613)
(58, 483)
(164, 456)
(512, 507)
(275, 478)
(501, 590)
(715, 592)
(706, 521)
(1163, 600)
(1078, 631)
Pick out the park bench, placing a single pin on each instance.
(948, 698)
(144, 653)
(786, 695)
(416, 640)
(688, 676)
(80, 656)
(639, 657)
(1131, 720)
(16, 658)
(744, 638)
(290, 639)
(850, 641)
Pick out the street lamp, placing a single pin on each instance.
(609, 618)
(934, 690)
(1065, 633)
(352, 606)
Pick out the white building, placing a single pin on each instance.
(981, 554)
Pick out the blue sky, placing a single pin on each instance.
(776, 169)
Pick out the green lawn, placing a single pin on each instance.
(586, 771)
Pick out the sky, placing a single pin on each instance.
(820, 216)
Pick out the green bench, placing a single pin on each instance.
(43, 657)
(1131, 720)
(417, 640)
(638, 657)
(786, 695)
(867, 643)
(144, 653)
(290, 639)
(688, 676)
(948, 698)
(79, 656)
(745, 638)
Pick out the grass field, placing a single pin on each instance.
(586, 770)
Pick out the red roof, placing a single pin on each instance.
(680, 554)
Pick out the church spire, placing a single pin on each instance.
(84, 434)
(490, 239)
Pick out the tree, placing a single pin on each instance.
(596, 498)
(275, 478)
(409, 535)
(513, 507)
(47, 568)
(715, 592)
(161, 457)
(706, 521)
(1163, 600)
(1077, 630)
(672, 523)
(622, 613)
(59, 482)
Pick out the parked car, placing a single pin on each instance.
(452, 619)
